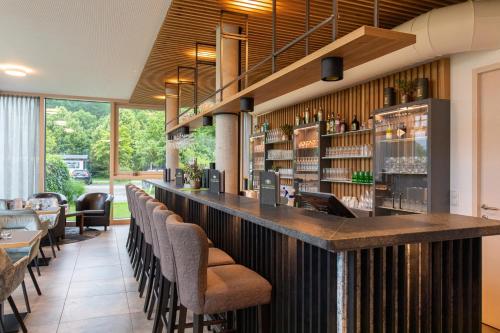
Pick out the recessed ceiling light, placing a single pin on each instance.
(159, 96)
(15, 70)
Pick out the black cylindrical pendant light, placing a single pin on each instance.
(246, 104)
(332, 69)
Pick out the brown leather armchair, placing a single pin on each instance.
(58, 231)
(96, 209)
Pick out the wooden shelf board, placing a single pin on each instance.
(360, 46)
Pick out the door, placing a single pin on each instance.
(489, 193)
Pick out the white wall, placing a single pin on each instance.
(462, 66)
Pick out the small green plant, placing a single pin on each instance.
(193, 172)
(406, 87)
(287, 130)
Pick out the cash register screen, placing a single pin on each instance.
(325, 202)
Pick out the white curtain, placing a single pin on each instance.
(19, 146)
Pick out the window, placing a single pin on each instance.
(77, 146)
(141, 141)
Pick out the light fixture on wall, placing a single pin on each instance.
(246, 104)
(332, 69)
(15, 70)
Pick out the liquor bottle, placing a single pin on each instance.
(355, 124)
(297, 120)
(306, 116)
(314, 116)
(388, 132)
(337, 124)
(320, 114)
(343, 126)
(332, 123)
(328, 124)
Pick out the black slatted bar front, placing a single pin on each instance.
(420, 287)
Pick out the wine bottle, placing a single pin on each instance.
(355, 124)
(320, 114)
(337, 124)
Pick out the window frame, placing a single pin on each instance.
(115, 171)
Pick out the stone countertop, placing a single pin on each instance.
(341, 234)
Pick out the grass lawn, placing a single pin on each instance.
(120, 210)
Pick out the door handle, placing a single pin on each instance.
(485, 207)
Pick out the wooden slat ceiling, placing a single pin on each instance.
(191, 21)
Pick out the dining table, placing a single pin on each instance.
(20, 238)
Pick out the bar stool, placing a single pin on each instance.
(147, 263)
(208, 290)
(132, 226)
(137, 236)
(141, 250)
(168, 296)
(154, 276)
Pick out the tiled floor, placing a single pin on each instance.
(90, 288)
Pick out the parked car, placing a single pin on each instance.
(82, 175)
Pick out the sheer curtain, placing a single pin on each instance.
(19, 146)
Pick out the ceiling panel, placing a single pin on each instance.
(91, 48)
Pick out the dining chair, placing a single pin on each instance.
(11, 276)
(25, 219)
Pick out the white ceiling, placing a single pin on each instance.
(92, 48)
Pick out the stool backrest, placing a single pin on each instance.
(166, 256)
(190, 249)
(143, 200)
(150, 207)
(137, 205)
(128, 192)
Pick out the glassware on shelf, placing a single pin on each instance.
(280, 154)
(337, 174)
(258, 163)
(258, 148)
(405, 165)
(307, 164)
(285, 173)
(365, 201)
(313, 143)
(276, 135)
(349, 151)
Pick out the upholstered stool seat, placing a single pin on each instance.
(233, 287)
(217, 257)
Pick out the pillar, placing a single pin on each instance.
(172, 154)
(226, 124)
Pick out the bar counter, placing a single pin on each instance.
(408, 273)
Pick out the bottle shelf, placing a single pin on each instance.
(306, 171)
(404, 173)
(276, 142)
(279, 159)
(345, 157)
(401, 210)
(306, 148)
(344, 182)
(347, 133)
(403, 140)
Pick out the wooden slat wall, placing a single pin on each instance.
(361, 100)
(191, 21)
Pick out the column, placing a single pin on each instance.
(172, 154)
(226, 125)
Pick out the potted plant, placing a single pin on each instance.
(287, 131)
(194, 174)
(406, 89)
